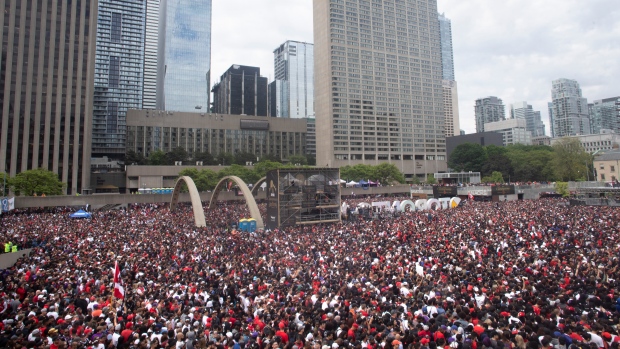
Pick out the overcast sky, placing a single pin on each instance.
(512, 49)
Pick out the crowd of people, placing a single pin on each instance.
(514, 275)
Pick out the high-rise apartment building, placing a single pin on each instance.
(47, 72)
(569, 109)
(184, 55)
(241, 90)
(292, 92)
(489, 109)
(447, 53)
(118, 73)
(378, 84)
(151, 39)
(534, 124)
(605, 115)
(551, 128)
(451, 108)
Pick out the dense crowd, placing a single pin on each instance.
(517, 275)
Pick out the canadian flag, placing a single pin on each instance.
(119, 291)
(470, 196)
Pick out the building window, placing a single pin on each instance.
(116, 27)
(613, 168)
(112, 117)
(114, 71)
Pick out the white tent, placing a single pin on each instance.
(342, 181)
(351, 184)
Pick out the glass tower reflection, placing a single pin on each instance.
(184, 55)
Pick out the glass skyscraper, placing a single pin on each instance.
(570, 109)
(447, 55)
(184, 55)
(151, 39)
(119, 67)
(293, 90)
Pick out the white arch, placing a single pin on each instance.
(199, 215)
(247, 194)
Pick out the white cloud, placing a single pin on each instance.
(510, 48)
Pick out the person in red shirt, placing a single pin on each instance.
(283, 336)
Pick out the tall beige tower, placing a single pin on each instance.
(46, 83)
(378, 84)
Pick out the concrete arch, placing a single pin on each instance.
(257, 185)
(199, 214)
(247, 194)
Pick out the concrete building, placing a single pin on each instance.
(482, 138)
(607, 166)
(311, 136)
(568, 110)
(118, 72)
(184, 55)
(451, 108)
(514, 131)
(378, 85)
(541, 140)
(597, 142)
(488, 109)
(151, 39)
(534, 124)
(241, 91)
(605, 115)
(150, 130)
(47, 76)
(292, 92)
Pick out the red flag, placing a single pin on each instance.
(119, 291)
(470, 196)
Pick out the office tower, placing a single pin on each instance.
(447, 55)
(378, 85)
(534, 124)
(292, 92)
(241, 91)
(605, 115)
(184, 55)
(550, 109)
(118, 73)
(451, 108)
(514, 131)
(570, 109)
(489, 109)
(151, 38)
(311, 136)
(48, 61)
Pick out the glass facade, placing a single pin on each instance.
(294, 67)
(118, 72)
(447, 55)
(489, 109)
(570, 109)
(605, 115)
(184, 55)
(151, 39)
(146, 139)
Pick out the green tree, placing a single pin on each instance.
(270, 157)
(357, 172)
(265, 166)
(242, 158)
(39, 181)
(225, 159)
(246, 174)
(570, 160)
(562, 189)
(530, 163)
(495, 177)
(430, 179)
(498, 162)
(176, 154)
(298, 159)
(387, 173)
(311, 160)
(204, 179)
(133, 158)
(157, 157)
(467, 157)
(206, 158)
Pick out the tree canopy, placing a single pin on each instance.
(37, 181)
(467, 157)
(570, 160)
